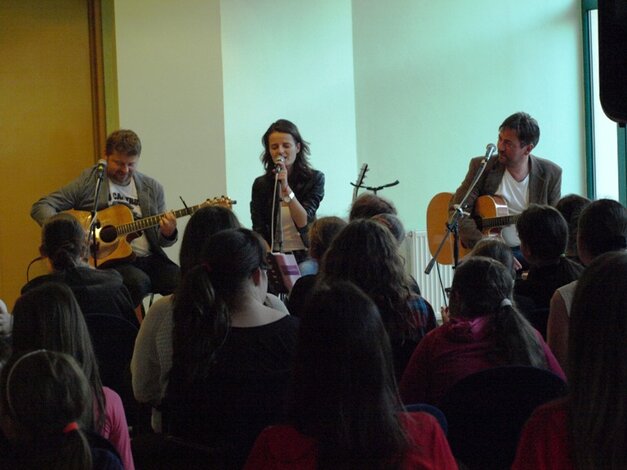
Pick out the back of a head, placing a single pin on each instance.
(49, 317)
(343, 347)
(366, 253)
(602, 228)
(343, 382)
(393, 224)
(495, 248)
(204, 223)
(368, 205)
(44, 396)
(43, 391)
(483, 286)
(206, 295)
(570, 206)
(479, 286)
(321, 234)
(230, 256)
(63, 241)
(543, 231)
(597, 364)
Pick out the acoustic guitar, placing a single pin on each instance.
(490, 214)
(116, 228)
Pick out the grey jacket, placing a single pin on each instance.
(79, 195)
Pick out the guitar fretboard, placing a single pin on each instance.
(493, 222)
(152, 221)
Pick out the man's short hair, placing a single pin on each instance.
(526, 128)
(124, 142)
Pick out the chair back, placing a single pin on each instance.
(486, 412)
(113, 339)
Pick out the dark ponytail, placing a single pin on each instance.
(483, 286)
(63, 241)
(207, 293)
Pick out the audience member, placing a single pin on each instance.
(543, 234)
(231, 353)
(393, 224)
(485, 330)
(368, 205)
(49, 317)
(321, 234)
(602, 228)
(366, 254)
(96, 290)
(344, 407)
(152, 356)
(570, 207)
(588, 428)
(44, 396)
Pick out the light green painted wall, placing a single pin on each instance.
(433, 81)
(413, 88)
(170, 92)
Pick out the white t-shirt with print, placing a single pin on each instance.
(127, 195)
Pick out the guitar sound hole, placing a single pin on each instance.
(108, 234)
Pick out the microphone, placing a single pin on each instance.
(489, 151)
(100, 169)
(277, 160)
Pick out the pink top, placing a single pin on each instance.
(115, 428)
(283, 447)
(544, 440)
(451, 352)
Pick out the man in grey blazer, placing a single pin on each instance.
(516, 175)
(151, 270)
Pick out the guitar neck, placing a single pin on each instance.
(494, 222)
(152, 221)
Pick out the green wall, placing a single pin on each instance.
(413, 88)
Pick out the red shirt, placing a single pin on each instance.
(451, 352)
(283, 447)
(544, 440)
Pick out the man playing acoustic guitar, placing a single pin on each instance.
(148, 269)
(515, 175)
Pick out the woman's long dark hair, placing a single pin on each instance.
(49, 317)
(597, 365)
(205, 222)
(366, 254)
(42, 392)
(301, 170)
(63, 241)
(344, 392)
(204, 298)
(484, 286)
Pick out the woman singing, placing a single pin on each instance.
(297, 193)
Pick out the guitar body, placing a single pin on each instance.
(117, 228)
(487, 210)
(490, 207)
(117, 250)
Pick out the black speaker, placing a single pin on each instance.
(613, 58)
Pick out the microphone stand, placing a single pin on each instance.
(452, 226)
(94, 224)
(277, 230)
(374, 189)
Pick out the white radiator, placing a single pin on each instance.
(417, 256)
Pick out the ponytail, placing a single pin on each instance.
(515, 339)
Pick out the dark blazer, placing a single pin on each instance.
(545, 185)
